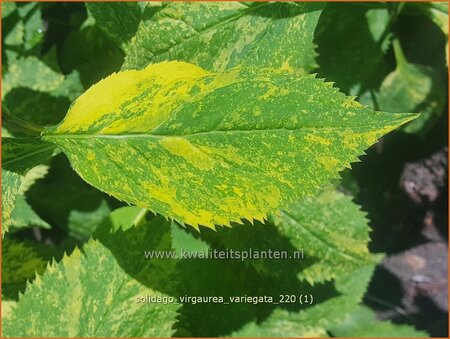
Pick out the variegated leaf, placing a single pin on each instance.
(88, 294)
(220, 35)
(213, 148)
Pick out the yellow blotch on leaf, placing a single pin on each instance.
(107, 96)
(183, 148)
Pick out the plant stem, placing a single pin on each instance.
(399, 56)
(140, 217)
(15, 124)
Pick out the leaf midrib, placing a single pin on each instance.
(48, 136)
(27, 155)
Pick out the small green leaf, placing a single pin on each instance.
(412, 88)
(20, 263)
(362, 323)
(219, 35)
(126, 217)
(8, 8)
(79, 298)
(213, 148)
(67, 202)
(24, 216)
(18, 157)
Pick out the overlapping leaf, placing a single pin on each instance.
(36, 93)
(315, 320)
(20, 263)
(412, 87)
(119, 20)
(329, 229)
(355, 64)
(79, 298)
(213, 148)
(220, 35)
(24, 216)
(18, 157)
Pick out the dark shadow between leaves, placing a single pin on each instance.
(36, 107)
(203, 277)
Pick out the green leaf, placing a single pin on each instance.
(8, 8)
(20, 263)
(412, 87)
(90, 53)
(332, 229)
(119, 20)
(23, 216)
(23, 26)
(126, 217)
(314, 320)
(18, 157)
(362, 323)
(220, 35)
(351, 43)
(36, 93)
(329, 229)
(250, 141)
(79, 298)
(32, 73)
(67, 202)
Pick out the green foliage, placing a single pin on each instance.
(22, 262)
(235, 33)
(24, 216)
(361, 323)
(413, 87)
(355, 64)
(119, 21)
(201, 114)
(18, 157)
(83, 207)
(330, 228)
(315, 320)
(89, 53)
(87, 302)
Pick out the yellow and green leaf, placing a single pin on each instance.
(214, 148)
(329, 230)
(88, 294)
(221, 35)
